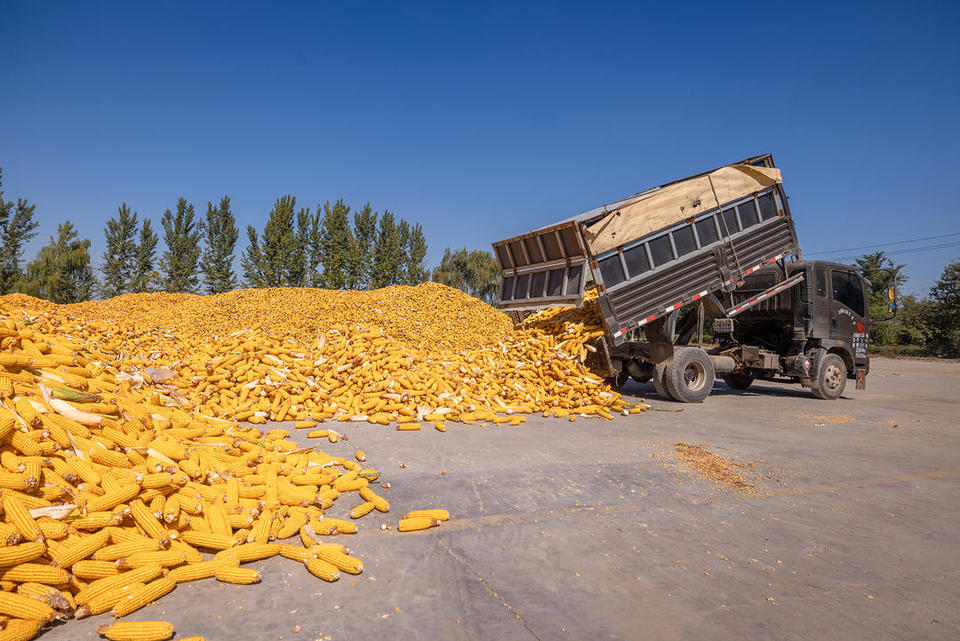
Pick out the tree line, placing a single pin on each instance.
(919, 325)
(328, 247)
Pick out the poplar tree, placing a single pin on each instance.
(220, 233)
(144, 276)
(474, 272)
(119, 257)
(415, 253)
(336, 245)
(180, 261)
(387, 266)
(314, 242)
(17, 228)
(61, 271)
(279, 258)
(365, 235)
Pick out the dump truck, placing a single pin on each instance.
(715, 253)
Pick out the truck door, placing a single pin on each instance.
(822, 310)
(848, 322)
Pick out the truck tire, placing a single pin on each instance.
(831, 378)
(659, 372)
(689, 375)
(738, 381)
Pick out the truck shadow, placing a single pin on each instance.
(760, 389)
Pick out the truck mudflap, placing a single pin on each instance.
(861, 378)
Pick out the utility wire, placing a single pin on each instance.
(895, 242)
(911, 250)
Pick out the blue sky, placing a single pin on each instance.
(481, 122)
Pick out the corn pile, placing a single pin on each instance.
(124, 457)
(259, 355)
(111, 495)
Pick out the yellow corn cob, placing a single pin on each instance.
(251, 552)
(380, 503)
(102, 586)
(66, 556)
(203, 570)
(146, 521)
(36, 573)
(242, 576)
(137, 631)
(16, 605)
(417, 523)
(94, 569)
(46, 594)
(20, 630)
(17, 554)
(343, 561)
(96, 520)
(112, 499)
(361, 510)
(322, 569)
(106, 601)
(18, 515)
(144, 596)
(163, 558)
(440, 515)
(119, 550)
(207, 540)
(408, 427)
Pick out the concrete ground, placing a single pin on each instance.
(593, 530)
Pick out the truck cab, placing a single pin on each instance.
(826, 313)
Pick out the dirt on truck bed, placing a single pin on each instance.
(586, 530)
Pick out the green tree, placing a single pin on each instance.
(17, 228)
(61, 271)
(387, 268)
(179, 263)
(881, 274)
(314, 243)
(337, 245)
(915, 326)
(279, 258)
(945, 295)
(221, 234)
(474, 272)
(144, 276)
(415, 254)
(119, 257)
(365, 235)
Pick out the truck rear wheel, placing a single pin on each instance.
(738, 381)
(659, 372)
(689, 375)
(831, 378)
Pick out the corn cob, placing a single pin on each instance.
(36, 573)
(197, 571)
(163, 558)
(137, 631)
(17, 554)
(417, 523)
(65, 557)
(322, 569)
(45, 593)
(127, 548)
(27, 526)
(207, 540)
(242, 576)
(17, 605)
(102, 586)
(343, 561)
(144, 596)
(361, 510)
(440, 515)
(20, 630)
(94, 569)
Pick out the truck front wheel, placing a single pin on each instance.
(831, 379)
(689, 375)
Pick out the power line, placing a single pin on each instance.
(910, 250)
(895, 242)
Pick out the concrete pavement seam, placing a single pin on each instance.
(495, 595)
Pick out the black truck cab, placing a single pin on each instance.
(825, 314)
